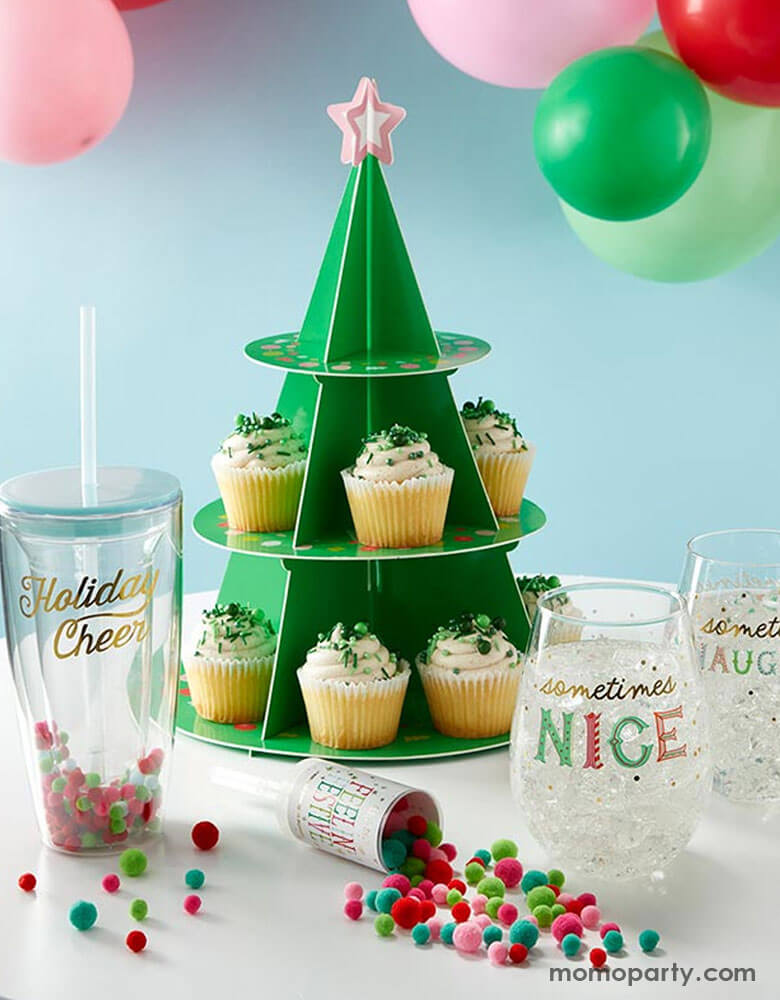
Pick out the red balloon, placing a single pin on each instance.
(732, 45)
(135, 4)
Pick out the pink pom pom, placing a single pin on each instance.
(608, 927)
(425, 887)
(417, 893)
(587, 899)
(434, 926)
(110, 882)
(564, 898)
(510, 871)
(566, 923)
(478, 903)
(439, 894)
(483, 920)
(399, 882)
(507, 913)
(590, 917)
(353, 890)
(497, 953)
(449, 851)
(353, 909)
(421, 849)
(467, 937)
(532, 919)
(437, 854)
(192, 904)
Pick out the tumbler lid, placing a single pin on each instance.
(120, 490)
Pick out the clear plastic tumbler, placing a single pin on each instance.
(92, 596)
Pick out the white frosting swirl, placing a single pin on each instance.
(493, 433)
(471, 652)
(350, 659)
(235, 631)
(252, 446)
(384, 461)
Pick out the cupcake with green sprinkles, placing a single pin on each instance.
(229, 672)
(560, 629)
(353, 688)
(259, 471)
(398, 490)
(504, 458)
(470, 673)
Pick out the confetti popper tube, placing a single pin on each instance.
(333, 807)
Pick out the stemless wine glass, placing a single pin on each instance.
(610, 755)
(731, 581)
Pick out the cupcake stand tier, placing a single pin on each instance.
(366, 357)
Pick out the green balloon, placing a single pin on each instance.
(729, 215)
(622, 133)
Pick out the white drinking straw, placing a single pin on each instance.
(88, 408)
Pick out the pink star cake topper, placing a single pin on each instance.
(366, 123)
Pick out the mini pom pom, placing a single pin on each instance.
(413, 866)
(566, 923)
(607, 927)
(556, 909)
(205, 835)
(564, 898)
(433, 833)
(384, 925)
(427, 910)
(438, 871)
(386, 899)
(510, 871)
(421, 849)
(139, 909)
(613, 942)
(439, 894)
(458, 884)
(540, 895)
(483, 855)
(575, 906)
(371, 900)
(194, 878)
(417, 825)
(491, 933)
(27, 882)
(425, 886)
(491, 886)
(518, 953)
(478, 903)
(393, 853)
(447, 932)
(497, 953)
(192, 904)
(474, 872)
(492, 905)
(524, 932)
(461, 912)
(483, 920)
(353, 890)
(587, 899)
(399, 882)
(590, 916)
(450, 851)
(353, 909)
(503, 848)
(648, 940)
(597, 957)
(532, 878)
(421, 934)
(416, 894)
(544, 915)
(507, 913)
(454, 896)
(133, 862)
(83, 915)
(467, 937)
(406, 912)
(136, 941)
(571, 945)
(434, 926)
(556, 877)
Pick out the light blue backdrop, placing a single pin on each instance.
(200, 224)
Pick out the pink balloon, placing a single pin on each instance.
(525, 43)
(66, 71)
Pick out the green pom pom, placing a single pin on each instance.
(393, 853)
(194, 878)
(556, 877)
(142, 793)
(492, 905)
(91, 780)
(46, 763)
(485, 855)
(557, 910)
(385, 899)
(503, 849)
(533, 878)
(454, 896)
(524, 932)
(613, 942)
(405, 837)
(384, 925)
(433, 834)
(491, 933)
(474, 872)
(491, 886)
(413, 866)
(83, 804)
(89, 839)
(83, 915)
(540, 895)
(421, 934)
(415, 880)
(132, 862)
(447, 931)
(570, 945)
(543, 915)
(58, 785)
(138, 909)
(118, 826)
(648, 940)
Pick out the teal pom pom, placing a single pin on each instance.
(485, 855)
(491, 933)
(648, 940)
(613, 942)
(393, 853)
(533, 878)
(504, 849)
(447, 931)
(405, 837)
(371, 900)
(83, 915)
(194, 878)
(385, 899)
(570, 945)
(421, 934)
(524, 932)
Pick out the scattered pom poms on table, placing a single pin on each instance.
(556, 877)
(447, 931)
(524, 932)
(497, 953)
(133, 862)
(570, 945)
(566, 923)
(491, 933)
(591, 917)
(510, 871)
(110, 883)
(613, 942)
(491, 886)
(531, 879)
(27, 882)
(421, 934)
(461, 911)
(192, 904)
(504, 848)
(607, 927)
(406, 912)
(194, 878)
(136, 941)
(467, 937)
(353, 890)
(353, 909)
(474, 872)
(384, 925)
(83, 915)
(139, 909)
(648, 940)
(205, 835)
(399, 882)
(386, 898)
(598, 957)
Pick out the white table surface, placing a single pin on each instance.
(271, 923)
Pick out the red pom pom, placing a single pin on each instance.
(461, 912)
(406, 912)
(417, 825)
(145, 766)
(450, 850)
(353, 909)
(438, 871)
(575, 906)
(27, 882)
(136, 941)
(597, 957)
(421, 848)
(587, 899)
(427, 910)
(478, 860)
(456, 883)
(518, 953)
(555, 889)
(205, 835)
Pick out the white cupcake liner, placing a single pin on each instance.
(259, 499)
(229, 690)
(399, 515)
(505, 476)
(472, 704)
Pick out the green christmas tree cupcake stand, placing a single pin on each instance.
(366, 357)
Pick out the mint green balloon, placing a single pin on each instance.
(730, 214)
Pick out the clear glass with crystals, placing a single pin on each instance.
(731, 581)
(610, 758)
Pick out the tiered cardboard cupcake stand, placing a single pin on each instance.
(365, 358)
